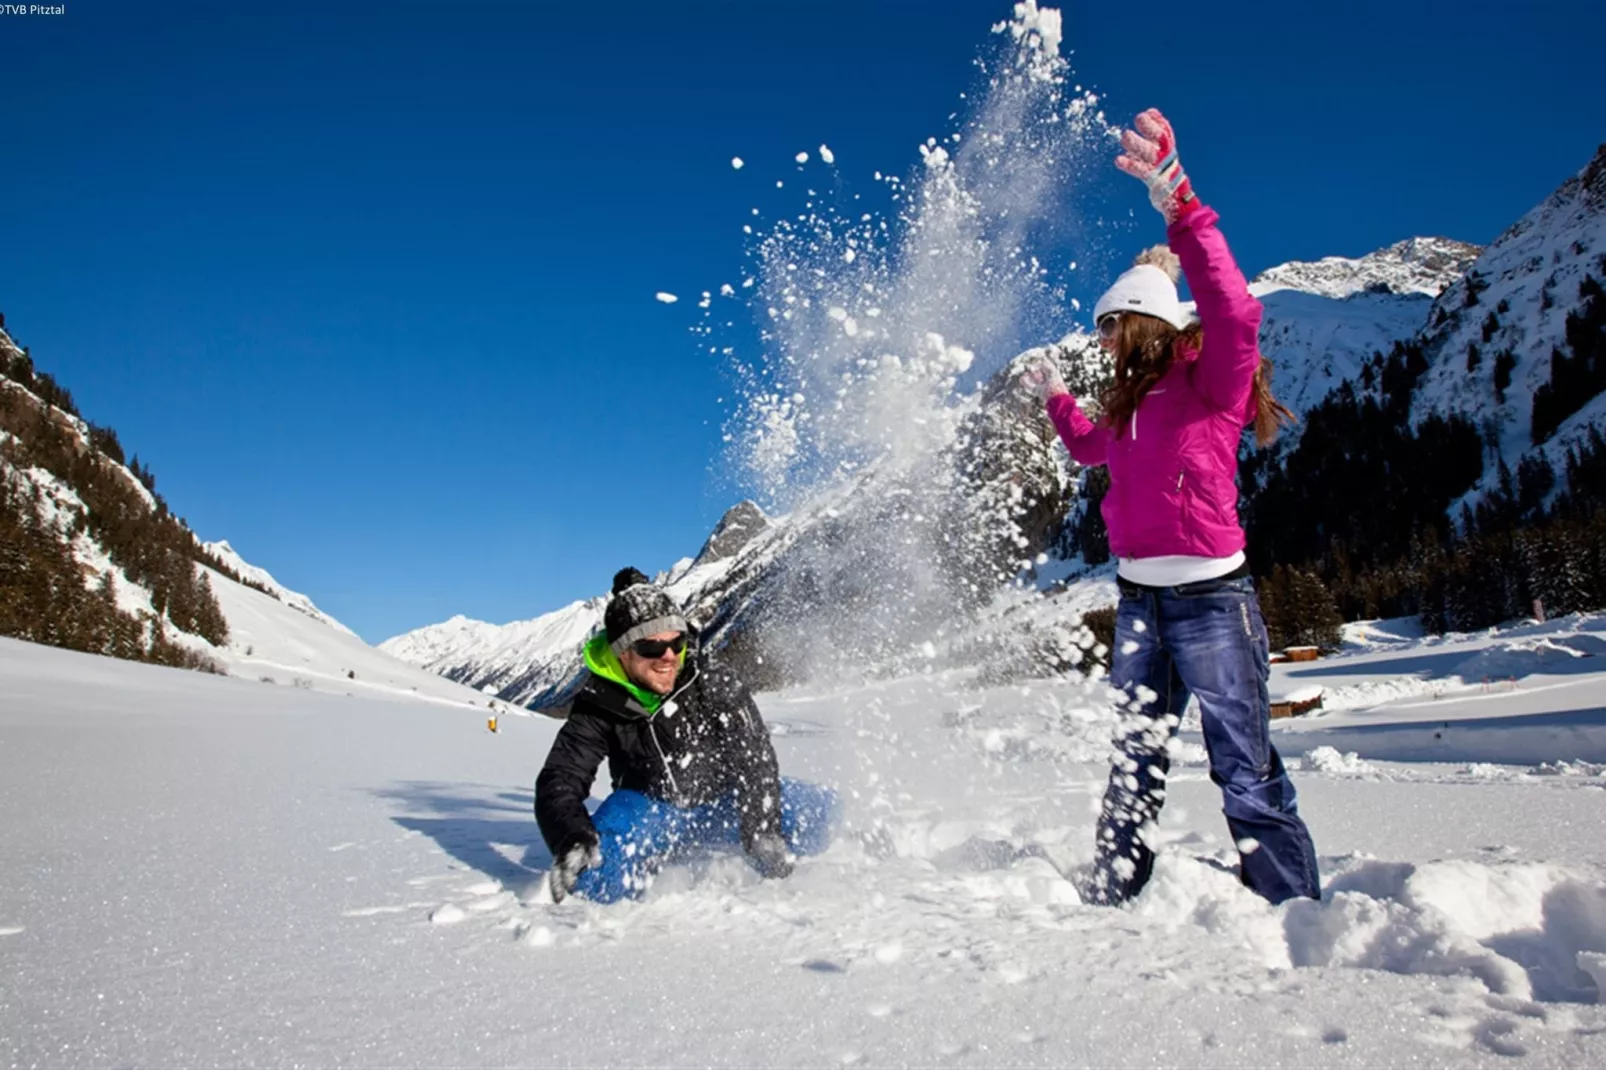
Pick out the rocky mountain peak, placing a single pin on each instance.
(1413, 266)
(734, 531)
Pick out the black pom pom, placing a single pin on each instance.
(627, 577)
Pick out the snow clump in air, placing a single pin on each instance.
(666, 298)
(1032, 22)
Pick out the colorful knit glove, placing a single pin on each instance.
(1151, 155)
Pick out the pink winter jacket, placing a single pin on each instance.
(1172, 470)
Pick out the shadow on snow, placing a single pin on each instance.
(485, 827)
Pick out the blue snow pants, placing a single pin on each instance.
(1206, 639)
(638, 833)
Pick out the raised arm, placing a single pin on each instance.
(1228, 313)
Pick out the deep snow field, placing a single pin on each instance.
(206, 871)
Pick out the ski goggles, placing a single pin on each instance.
(656, 648)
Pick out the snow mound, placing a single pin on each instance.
(1517, 928)
(1522, 931)
(1382, 634)
(1329, 760)
(1536, 656)
(1570, 769)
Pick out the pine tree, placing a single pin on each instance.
(1319, 623)
(1504, 363)
(1491, 324)
(1092, 538)
(1273, 596)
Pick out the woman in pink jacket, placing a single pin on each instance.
(1188, 622)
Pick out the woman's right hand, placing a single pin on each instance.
(1040, 375)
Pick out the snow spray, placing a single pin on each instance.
(879, 329)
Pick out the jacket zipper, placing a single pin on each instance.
(662, 757)
(653, 732)
(1135, 414)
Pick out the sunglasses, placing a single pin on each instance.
(1109, 325)
(656, 648)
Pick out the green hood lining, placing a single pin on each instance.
(601, 659)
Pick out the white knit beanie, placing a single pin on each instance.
(1149, 288)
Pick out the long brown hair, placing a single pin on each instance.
(1146, 346)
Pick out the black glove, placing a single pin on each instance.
(566, 870)
(768, 852)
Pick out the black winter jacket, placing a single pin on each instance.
(705, 741)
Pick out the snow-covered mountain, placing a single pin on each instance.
(101, 565)
(529, 663)
(263, 580)
(275, 642)
(1414, 266)
(535, 662)
(1324, 320)
(1491, 337)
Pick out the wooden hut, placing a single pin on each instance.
(1296, 702)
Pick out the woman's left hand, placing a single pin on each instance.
(1151, 157)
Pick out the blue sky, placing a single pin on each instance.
(370, 287)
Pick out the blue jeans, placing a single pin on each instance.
(1206, 639)
(638, 834)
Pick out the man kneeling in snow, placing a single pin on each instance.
(692, 763)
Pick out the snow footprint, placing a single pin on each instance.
(1591, 962)
(1499, 1036)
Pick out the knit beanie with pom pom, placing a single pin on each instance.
(1149, 288)
(638, 608)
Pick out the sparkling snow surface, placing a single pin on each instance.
(198, 870)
